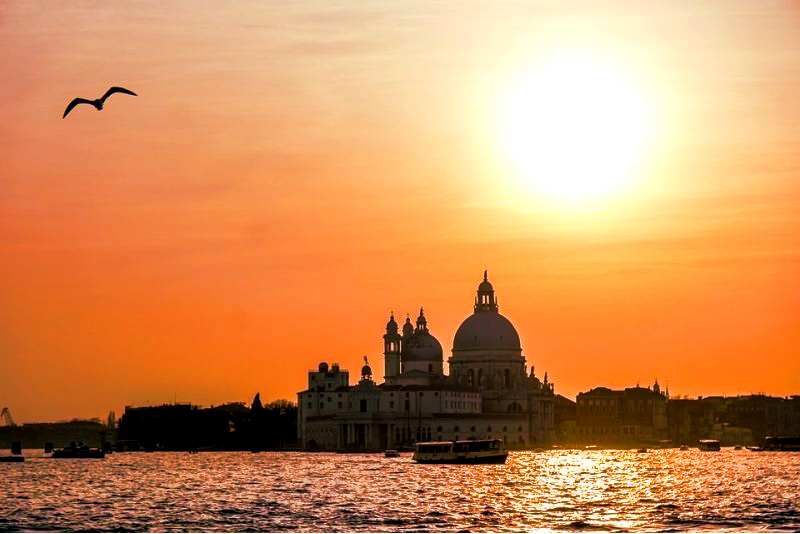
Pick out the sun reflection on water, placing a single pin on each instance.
(554, 490)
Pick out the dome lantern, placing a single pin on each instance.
(485, 300)
(422, 323)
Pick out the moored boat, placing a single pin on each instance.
(391, 453)
(708, 445)
(684, 447)
(478, 451)
(14, 458)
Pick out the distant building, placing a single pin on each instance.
(740, 420)
(566, 419)
(489, 392)
(625, 417)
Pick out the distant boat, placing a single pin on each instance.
(708, 445)
(14, 458)
(479, 451)
(755, 449)
(591, 447)
(391, 453)
(782, 444)
(79, 451)
(684, 447)
(737, 448)
(642, 449)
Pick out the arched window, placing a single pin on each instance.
(480, 378)
(408, 406)
(506, 377)
(471, 378)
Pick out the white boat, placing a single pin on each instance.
(476, 451)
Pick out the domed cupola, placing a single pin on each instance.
(422, 323)
(391, 326)
(486, 348)
(486, 329)
(408, 328)
(366, 371)
(485, 300)
(421, 351)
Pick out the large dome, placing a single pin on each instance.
(486, 330)
(421, 346)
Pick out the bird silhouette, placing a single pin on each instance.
(98, 104)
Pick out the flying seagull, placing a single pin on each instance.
(99, 102)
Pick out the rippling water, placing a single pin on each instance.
(665, 490)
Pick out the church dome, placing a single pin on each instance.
(421, 346)
(486, 330)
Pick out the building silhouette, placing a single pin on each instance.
(488, 394)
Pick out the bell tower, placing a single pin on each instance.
(391, 349)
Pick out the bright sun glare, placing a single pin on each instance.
(575, 129)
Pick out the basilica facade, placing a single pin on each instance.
(489, 392)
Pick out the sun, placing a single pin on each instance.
(575, 129)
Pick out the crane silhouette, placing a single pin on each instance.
(6, 415)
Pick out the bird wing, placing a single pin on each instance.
(117, 90)
(74, 103)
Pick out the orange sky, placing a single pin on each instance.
(290, 173)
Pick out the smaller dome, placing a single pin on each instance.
(421, 346)
(366, 371)
(323, 367)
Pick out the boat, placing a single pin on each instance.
(708, 445)
(391, 453)
(782, 444)
(78, 451)
(755, 449)
(737, 447)
(14, 458)
(642, 449)
(684, 447)
(477, 451)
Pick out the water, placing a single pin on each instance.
(666, 490)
